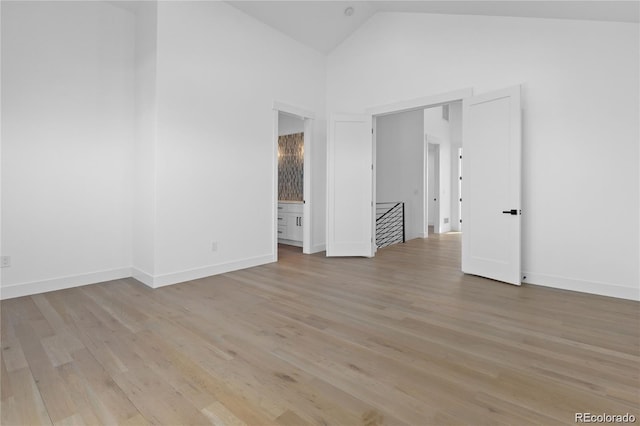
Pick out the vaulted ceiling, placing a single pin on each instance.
(323, 25)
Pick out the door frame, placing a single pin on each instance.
(427, 195)
(404, 106)
(307, 223)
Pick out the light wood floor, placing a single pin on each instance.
(404, 338)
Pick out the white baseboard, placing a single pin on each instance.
(35, 287)
(593, 287)
(142, 276)
(318, 248)
(207, 271)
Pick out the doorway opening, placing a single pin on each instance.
(292, 180)
(415, 168)
(352, 173)
(491, 243)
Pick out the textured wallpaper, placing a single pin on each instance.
(291, 167)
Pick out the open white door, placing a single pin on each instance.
(350, 186)
(491, 185)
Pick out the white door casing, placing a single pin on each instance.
(492, 185)
(350, 186)
(308, 118)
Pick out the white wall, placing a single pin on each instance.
(436, 131)
(156, 118)
(288, 124)
(573, 72)
(144, 211)
(67, 130)
(399, 166)
(435, 125)
(219, 72)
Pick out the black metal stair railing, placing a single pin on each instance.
(389, 223)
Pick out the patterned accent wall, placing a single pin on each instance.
(290, 167)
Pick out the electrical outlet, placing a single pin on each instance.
(214, 246)
(5, 261)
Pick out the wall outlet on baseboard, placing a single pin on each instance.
(214, 246)
(5, 261)
(446, 220)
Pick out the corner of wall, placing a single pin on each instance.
(207, 271)
(143, 277)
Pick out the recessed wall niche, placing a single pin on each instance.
(291, 167)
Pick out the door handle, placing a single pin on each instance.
(513, 212)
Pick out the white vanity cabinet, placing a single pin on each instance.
(290, 223)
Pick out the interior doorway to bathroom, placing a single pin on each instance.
(292, 183)
(290, 180)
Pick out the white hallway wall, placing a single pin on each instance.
(399, 166)
(67, 120)
(436, 126)
(580, 158)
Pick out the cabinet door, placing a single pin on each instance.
(296, 227)
(290, 232)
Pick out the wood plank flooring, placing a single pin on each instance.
(401, 339)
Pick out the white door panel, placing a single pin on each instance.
(491, 185)
(350, 180)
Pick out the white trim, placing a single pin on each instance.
(421, 103)
(318, 248)
(374, 182)
(142, 276)
(425, 185)
(307, 224)
(411, 105)
(588, 287)
(274, 185)
(290, 109)
(433, 140)
(307, 220)
(207, 271)
(61, 283)
(35, 287)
